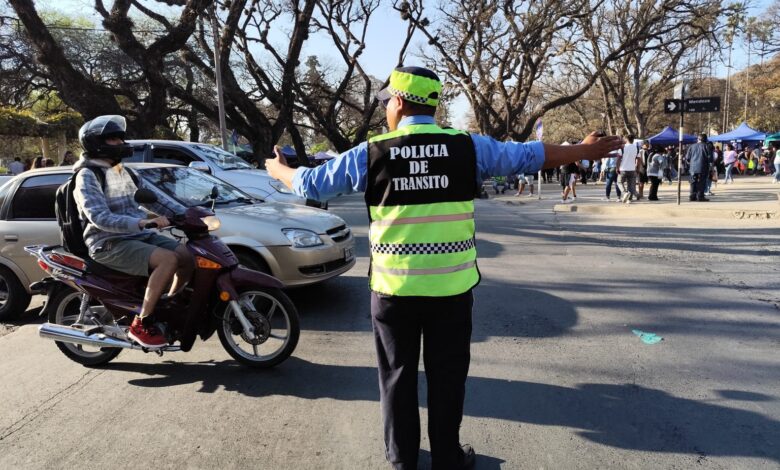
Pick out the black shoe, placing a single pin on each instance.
(692, 199)
(704, 199)
(468, 457)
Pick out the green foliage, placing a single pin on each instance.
(319, 147)
(26, 124)
(67, 122)
(21, 123)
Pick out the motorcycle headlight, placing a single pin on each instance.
(279, 186)
(301, 238)
(212, 222)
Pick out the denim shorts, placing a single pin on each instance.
(131, 256)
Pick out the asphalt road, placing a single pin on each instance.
(558, 380)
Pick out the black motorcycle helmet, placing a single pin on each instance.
(93, 135)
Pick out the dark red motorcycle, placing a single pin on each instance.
(90, 307)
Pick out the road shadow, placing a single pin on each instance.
(343, 304)
(623, 416)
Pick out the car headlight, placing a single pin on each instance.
(212, 222)
(301, 238)
(279, 186)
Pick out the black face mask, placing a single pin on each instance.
(115, 153)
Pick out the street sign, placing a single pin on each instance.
(709, 104)
(672, 106)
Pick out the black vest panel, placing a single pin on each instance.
(413, 169)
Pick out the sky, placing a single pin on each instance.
(384, 38)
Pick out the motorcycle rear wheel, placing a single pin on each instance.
(271, 306)
(65, 311)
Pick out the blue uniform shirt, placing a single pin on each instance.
(346, 173)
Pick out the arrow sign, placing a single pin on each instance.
(672, 106)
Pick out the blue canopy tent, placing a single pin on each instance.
(669, 136)
(743, 133)
(288, 151)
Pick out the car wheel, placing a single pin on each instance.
(252, 261)
(14, 298)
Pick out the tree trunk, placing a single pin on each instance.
(76, 90)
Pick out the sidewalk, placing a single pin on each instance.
(749, 197)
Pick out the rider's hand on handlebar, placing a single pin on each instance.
(160, 222)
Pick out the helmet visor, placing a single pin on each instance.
(105, 125)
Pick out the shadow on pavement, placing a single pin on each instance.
(623, 416)
(343, 304)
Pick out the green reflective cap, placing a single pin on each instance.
(414, 84)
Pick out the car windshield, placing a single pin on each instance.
(191, 187)
(224, 160)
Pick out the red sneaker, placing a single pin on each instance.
(148, 337)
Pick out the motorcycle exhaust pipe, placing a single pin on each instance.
(67, 334)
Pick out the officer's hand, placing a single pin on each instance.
(274, 165)
(600, 146)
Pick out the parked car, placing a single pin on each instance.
(217, 162)
(297, 244)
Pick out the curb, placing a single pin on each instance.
(681, 211)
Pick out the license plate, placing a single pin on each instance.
(348, 253)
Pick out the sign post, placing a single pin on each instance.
(690, 105)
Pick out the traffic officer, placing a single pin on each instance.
(420, 181)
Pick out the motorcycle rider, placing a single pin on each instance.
(114, 225)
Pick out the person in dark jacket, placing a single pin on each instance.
(699, 156)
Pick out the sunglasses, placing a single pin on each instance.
(384, 103)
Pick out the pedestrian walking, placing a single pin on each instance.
(16, 167)
(729, 159)
(641, 168)
(523, 180)
(569, 175)
(776, 151)
(67, 158)
(699, 155)
(627, 169)
(655, 164)
(610, 169)
(420, 181)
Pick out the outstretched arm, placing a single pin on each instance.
(591, 148)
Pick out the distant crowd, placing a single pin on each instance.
(20, 166)
(638, 167)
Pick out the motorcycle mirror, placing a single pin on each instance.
(214, 192)
(145, 196)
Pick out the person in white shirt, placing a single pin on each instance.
(627, 169)
(16, 167)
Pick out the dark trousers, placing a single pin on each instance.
(698, 183)
(612, 179)
(654, 182)
(444, 323)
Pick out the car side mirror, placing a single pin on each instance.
(145, 196)
(200, 166)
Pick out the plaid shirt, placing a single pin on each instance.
(108, 215)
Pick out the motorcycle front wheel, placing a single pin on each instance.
(275, 321)
(65, 311)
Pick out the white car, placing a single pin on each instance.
(217, 162)
(296, 244)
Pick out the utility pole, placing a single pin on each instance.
(218, 75)
(748, 36)
(728, 82)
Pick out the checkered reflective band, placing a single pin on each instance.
(407, 96)
(422, 248)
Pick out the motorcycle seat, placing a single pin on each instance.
(93, 267)
(98, 269)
